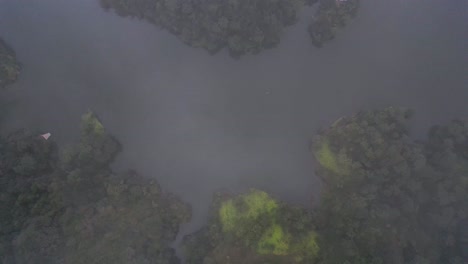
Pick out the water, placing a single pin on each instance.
(199, 123)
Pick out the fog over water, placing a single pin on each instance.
(198, 122)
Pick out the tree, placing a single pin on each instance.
(76, 209)
(242, 27)
(331, 15)
(387, 198)
(253, 228)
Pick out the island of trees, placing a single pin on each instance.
(242, 27)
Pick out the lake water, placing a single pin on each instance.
(199, 123)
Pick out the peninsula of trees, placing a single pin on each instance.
(242, 27)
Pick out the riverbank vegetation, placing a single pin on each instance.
(241, 27)
(386, 199)
(72, 208)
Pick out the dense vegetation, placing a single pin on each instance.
(387, 200)
(243, 27)
(9, 66)
(71, 208)
(240, 26)
(253, 228)
(331, 15)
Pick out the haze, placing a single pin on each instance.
(200, 123)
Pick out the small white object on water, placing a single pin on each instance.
(46, 136)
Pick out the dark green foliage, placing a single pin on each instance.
(96, 149)
(133, 223)
(9, 66)
(240, 26)
(26, 164)
(331, 15)
(388, 199)
(447, 151)
(77, 210)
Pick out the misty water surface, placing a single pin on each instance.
(199, 122)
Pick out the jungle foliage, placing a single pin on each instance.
(387, 199)
(242, 27)
(72, 208)
(253, 228)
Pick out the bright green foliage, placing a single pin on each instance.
(253, 228)
(253, 205)
(97, 148)
(307, 247)
(228, 215)
(90, 125)
(329, 160)
(274, 241)
(9, 66)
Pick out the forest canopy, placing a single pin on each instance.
(387, 199)
(72, 208)
(253, 228)
(242, 27)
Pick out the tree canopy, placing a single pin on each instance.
(387, 198)
(330, 17)
(72, 208)
(253, 228)
(242, 27)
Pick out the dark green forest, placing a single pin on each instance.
(386, 199)
(70, 207)
(242, 27)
